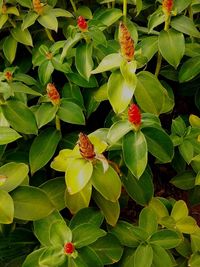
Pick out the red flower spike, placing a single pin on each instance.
(8, 76)
(69, 248)
(86, 148)
(37, 6)
(134, 115)
(82, 24)
(53, 94)
(126, 42)
(167, 6)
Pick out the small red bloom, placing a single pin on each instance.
(69, 248)
(167, 6)
(86, 148)
(8, 76)
(82, 24)
(53, 94)
(134, 115)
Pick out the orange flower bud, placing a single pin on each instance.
(3, 9)
(126, 42)
(69, 248)
(167, 6)
(8, 76)
(134, 115)
(53, 94)
(37, 6)
(86, 148)
(82, 24)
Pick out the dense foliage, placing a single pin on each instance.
(99, 133)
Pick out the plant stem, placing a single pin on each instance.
(49, 35)
(158, 65)
(124, 10)
(190, 12)
(113, 4)
(58, 125)
(167, 23)
(73, 5)
(12, 22)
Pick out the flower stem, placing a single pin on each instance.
(158, 65)
(49, 35)
(58, 125)
(73, 5)
(124, 10)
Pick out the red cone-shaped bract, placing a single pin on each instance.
(126, 42)
(86, 148)
(69, 248)
(53, 94)
(82, 24)
(167, 6)
(134, 115)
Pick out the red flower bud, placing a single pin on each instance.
(126, 42)
(82, 24)
(134, 115)
(8, 75)
(86, 148)
(167, 6)
(53, 94)
(69, 248)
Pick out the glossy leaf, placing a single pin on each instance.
(71, 113)
(194, 260)
(149, 46)
(45, 113)
(22, 36)
(19, 87)
(29, 19)
(43, 148)
(86, 234)
(27, 199)
(143, 256)
(6, 208)
(175, 46)
(78, 175)
(165, 238)
(45, 70)
(78, 200)
(179, 210)
(14, 174)
(110, 210)
(80, 81)
(49, 21)
(159, 144)
(33, 258)
(89, 256)
(134, 148)
(190, 69)
(184, 180)
(10, 48)
(160, 255)
(8, 135)
(118, 130)
(59, 233)
(148, 220)
(155, 19)
(52, 256)
(187, 225)
(140, 190)
(108, 16)
(107, 183)
(118, 88)
(83, 60)
(20, 117)
(159, 208)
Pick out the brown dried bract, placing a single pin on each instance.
(37, 6)
(86, 148)
(126, 42)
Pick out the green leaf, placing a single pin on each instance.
(110, 210)
(8, 135)
(143, 256)
(190, 69)
(139, 190)
(185, 25)
(128, 70)
(175, 46)
(78, 200)
(179, 210)
(42, 227)
(21, 36)
(118, 130)
(3, 19)
(83, 60)
(118, 88)
(14, 174)
(55, 190)
(166, 238)
(107, 183)
(147, 90)
(108, 249)
(6, 208)
(80, 81)
(71, 112)
(33, 258)
(180, 5)
(45, 113)
(149, 46)
(86, 234)
(10, 48)
(43, 148)
(160, 209)
(108, 16)
(148, 220)
(84, 11)
(109, 62)
(45, 71)
(87, 215)
(89, 256)
(49, 21)
(29, 19)
(184, 180)
(59, 12)
(186, 150)
(194, 260)
(19, 87)
(27, 199)
(59, 233)
(155, 19)
(20, 117)
(81, 171)
(187, 225)
(52, 256)
(129, 235)
(160, 256)
(134, 148)
(159, 144)
(195, 241)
